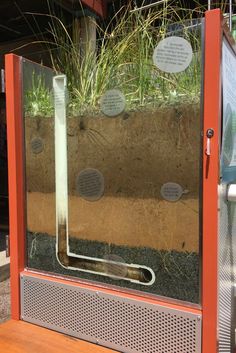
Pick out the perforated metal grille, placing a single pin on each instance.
(225, 276)
(123, 324)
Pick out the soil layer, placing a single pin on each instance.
(137, 153)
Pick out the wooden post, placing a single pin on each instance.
(84, 35)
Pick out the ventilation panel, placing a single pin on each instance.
(124, 324)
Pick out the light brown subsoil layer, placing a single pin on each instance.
(136, 153)
(130, 222)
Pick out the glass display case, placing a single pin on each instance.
(113, 189)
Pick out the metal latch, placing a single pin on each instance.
(209, 135)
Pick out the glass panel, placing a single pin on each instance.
(126, 202)
(39, 164)
(228, 152)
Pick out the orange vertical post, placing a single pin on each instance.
(15, 176)
(212, 113)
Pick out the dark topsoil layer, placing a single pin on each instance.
(137, 152)
(177, 273)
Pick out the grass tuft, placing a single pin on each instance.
(123, 59)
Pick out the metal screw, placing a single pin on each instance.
(210, 133)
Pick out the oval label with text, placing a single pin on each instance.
(173, 54)
(36, 145)
(112, 102)
(171, 192)
(90, 184)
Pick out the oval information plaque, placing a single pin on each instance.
(90, 184)
(36, 145)
(173, 54)
(112, 102)
(115, 266)
(172, 191)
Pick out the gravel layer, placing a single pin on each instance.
(177, 273)
(4, 300)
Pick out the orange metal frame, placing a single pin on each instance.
(212, 109)
(15, 176)
(212, 115)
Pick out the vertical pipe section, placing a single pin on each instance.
(209, 5)
(59, 88)
(14, 105)
(230, 14)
